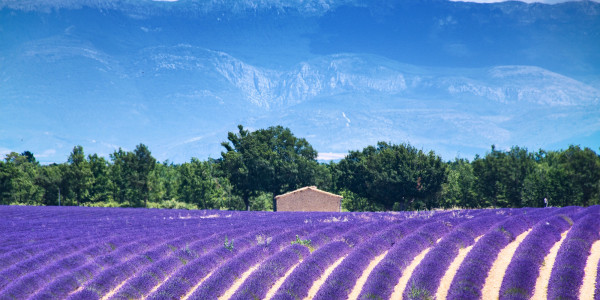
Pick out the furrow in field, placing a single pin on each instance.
(271, 292)
(406, 274)
(425, 279)
(385, 277)
(29, 284)
(446, 280)
(111, 278)
(365, 274)
(569, 270)
(541, 284)
(591, 272)
(185, 281)
(344, 278)
(316, 285)
(238, 282)
(493, 281)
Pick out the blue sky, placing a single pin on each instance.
(453, 77)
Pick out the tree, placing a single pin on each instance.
(394, 176)
(79, 176)
(164, 182)
(268, 160)
(17, 179)
(119, 174)
(582, 168)
(100, 191)
(50, 179)
(459, 190)
(142, 164)
(198, 186)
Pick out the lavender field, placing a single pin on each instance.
(117, 253)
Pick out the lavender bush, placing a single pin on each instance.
(300, 281)
(86, 253)
(568, 270)
(523, 269)
(380, 284)
(342, 280)
(426, 277)
(258, 284)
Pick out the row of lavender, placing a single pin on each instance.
(91, 253)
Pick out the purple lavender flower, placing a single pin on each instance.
(257, 285)
(523, 270)
(342, 280)
(380, 284)
(426, 277)
(300, 281)
(568, 270)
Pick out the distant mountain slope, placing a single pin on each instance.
(110, 74)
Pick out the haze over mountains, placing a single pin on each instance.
(453, 77)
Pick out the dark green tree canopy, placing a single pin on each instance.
(268, 160)
(394, 176)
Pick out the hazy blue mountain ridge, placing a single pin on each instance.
(448, 76)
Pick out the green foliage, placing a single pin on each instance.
(198, 186)
(306, 243)
(262, 202)
(419, 293)
(393, 176)
(353, 202)
(79, 177)
(172, 204)
(501, 176)
(268, 160)
(228, 244)
(258, 165)
(516, 292)
(459, 189)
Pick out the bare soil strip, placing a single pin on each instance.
(273, 290)
(236, 285)
(541, 284)
(115, 290)
(442, 291)
(317, 284)
(158, 285)
(192, 290)
(491, 288)
(365, 275)
(399, 288)
(590, 271)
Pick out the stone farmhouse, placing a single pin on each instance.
(309, 198)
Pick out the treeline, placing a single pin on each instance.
(255, 166)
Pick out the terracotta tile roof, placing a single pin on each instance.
(312, 188)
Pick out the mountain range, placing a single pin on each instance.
(453, 77)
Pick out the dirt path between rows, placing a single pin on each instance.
(273, 290)
(491, 288)
(236, 285)
(541, 284)
(319, 282)
(193, 289)
(115, 290)
(591, 271)
(365, 275)
(446, 281)
(399, 288)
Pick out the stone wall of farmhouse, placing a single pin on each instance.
(308, 201)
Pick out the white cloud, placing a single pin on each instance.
(331, 156)
(47, 153)
(4, 152)
(194, 139)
